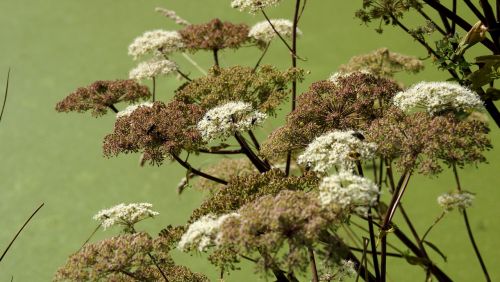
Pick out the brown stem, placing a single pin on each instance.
(277, 32)
(184, 75)
(475, 10)
(157, 266)
(197, 172)
(256, 161)
(220, 152)
(254, 140)
(216, 57)
(113, 108)
(5, 95)
(261, 57)
(314, 270)
(154, 89)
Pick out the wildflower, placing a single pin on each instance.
(170, 14)
(223, 121)
(214, 35)
(157, 131)
(346, 269)
(348, 191)
(438, 97)
(460, 200)
(264, 32)
(156, 41)
(343, 75)
(102, 95)
(204, 232)
(125, 214)
(383, 63)
(253, 6)
(265, 88)
(130, 109)
(153, 68)
(336, 148)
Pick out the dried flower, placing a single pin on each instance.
(350, 104)
(253, 6)
(336, 148)
(153, 68)
(127, 215)
(263, 31)
(130, 109)
(422, 141)
(266, 88)
(460, 200)
(225, 120)
(349, 192)
(214, 35)
(438, 97)
(383, 63)
(156, 42)
(170, 14)
(203, 233)
(157, 131)
(102, 95)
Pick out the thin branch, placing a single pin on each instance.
(256, 161)
(197, 172)
(475, 10)
(90, 237)
(216, 57)
(19, 231)
(184, 75)
(261, 57)
(113, 108)
(254, 140)
(312, 260)
(5, 95)
(221, 152)
(279, 34)
(194, 63)
(154, 89)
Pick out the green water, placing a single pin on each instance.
(54, 46)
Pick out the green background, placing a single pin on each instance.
(55, 46)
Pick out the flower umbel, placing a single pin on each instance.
(123, 214)
(153, 68)
(337, 148)
(253, 6)
(156, 41)
(223, 121)
(263, 31)
(460, 200)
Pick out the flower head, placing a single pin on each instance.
(170, 14)
(204, 232)
(460, 200)
(153, 68)
(156, 41)
(253, 6)
(348, 191)
(123, 214)
(264, 32)
(223, 121)
(337, 148)
(130, 109)
(438, 97)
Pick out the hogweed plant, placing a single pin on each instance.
(288, 204)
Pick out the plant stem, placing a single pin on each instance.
(216, 57)
(154, 89)
(469, 229)
(184, 75)
(314, 270)
(256, 161)
(194, 63)
(261, 57)
(113, 108)
(436, 221)
(197, 172)
(221, 152)
(5, 95)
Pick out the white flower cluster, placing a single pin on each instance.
(153, 68)
(436, 97)
(336, 148)
(130, 109)
(125, 214)
(204, 232)
(348, 191)
(347, 269)
(223, 121)
(156, 41)
(460, 200)
(253, 6)
(264, 32)
(339, 75)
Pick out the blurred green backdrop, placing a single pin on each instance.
(54, 46)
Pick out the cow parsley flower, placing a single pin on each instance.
(156, 41)
(264, 32)
(253, 6)
(336, 148)
(348, 191)
(126, 215)
(153, 68)
(436, 97)
(339, 75)
(130, 109)
(223, 121)
(460, 200)
(203, 233)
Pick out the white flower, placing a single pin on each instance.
(460, 200)
(346, 269)
(130, 109)
(339, 75)
(264, 32)
(348, 191)
(204, 232)
(153, 68)
(436, 97)
(253, 6)
(125, 214)
(156, 41)
(223, 121)
(336, 148)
